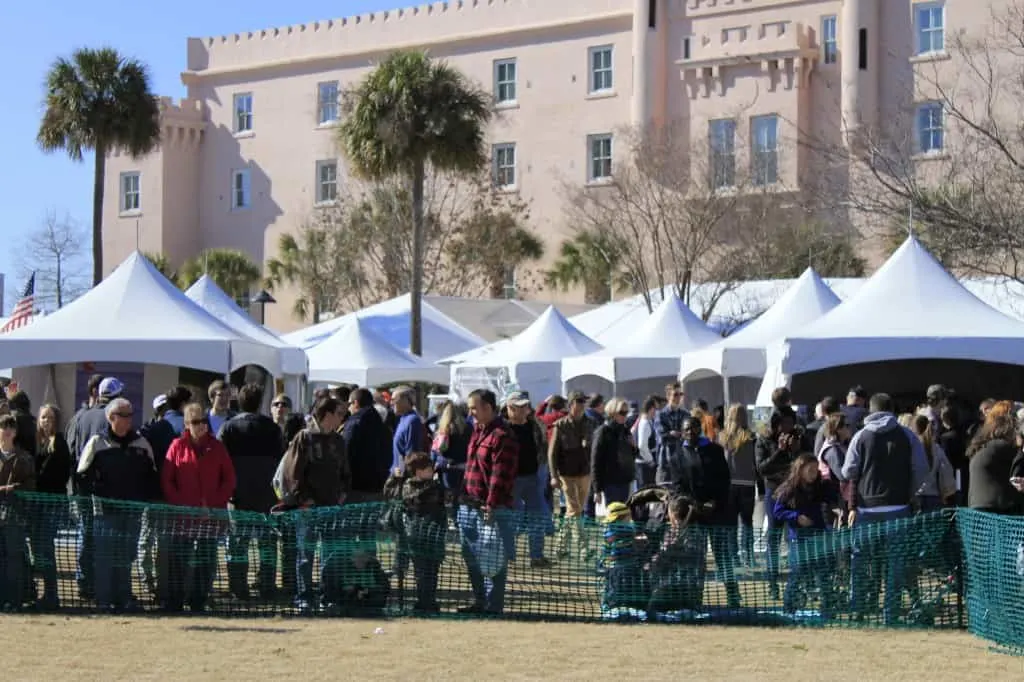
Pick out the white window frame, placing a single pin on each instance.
(326, 188)
(241, 113)
(506, 172)
(326, 109)
(935, 130)
(505, 88)
(764, 150)
(241, 194)
(920, 47)
(124, 193)
(601, 77)
(602, 157)
(722, 152)
(829, 39)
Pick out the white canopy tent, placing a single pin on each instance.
(742, 355)
(211, 298)
(134, 315)
(391, 320)
(530, 360)
(356, 354)
(910, 310)
(649, 355)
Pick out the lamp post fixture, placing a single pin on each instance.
(262, 298)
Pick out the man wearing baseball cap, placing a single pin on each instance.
(91, 422)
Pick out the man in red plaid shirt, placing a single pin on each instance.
(487, 497)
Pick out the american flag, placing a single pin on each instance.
(22, 313)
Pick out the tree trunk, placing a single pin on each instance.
(98, 178)
(416, 292)
(60, 283)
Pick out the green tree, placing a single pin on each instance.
(230, 269)
(589, 259)
(161, 263)
(315, 262)
(410, 112)
(99, 101)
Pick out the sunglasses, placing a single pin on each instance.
(280, 404)
(197, 422)
(678, 394)
(124, 415)
(623, 413)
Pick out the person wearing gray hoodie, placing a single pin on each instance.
(886, 466)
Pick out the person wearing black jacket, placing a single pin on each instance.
(368, 444)
(613, 455)
(255, 444)
(774, 453)
(21, 408)
(698, 470)
(53, 470)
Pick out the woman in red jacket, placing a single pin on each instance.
(197, 473)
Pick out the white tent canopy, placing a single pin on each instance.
(391, 320)
(910, 309)
(211, 298)
(134, 315)
(358, 355)
(650, 351)
(531, 360)
(743, 353)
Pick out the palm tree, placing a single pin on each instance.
(161, 263)
(518, 246)
(589, 259)
(99, 101)
(301, 263)
(231, 270)
(410, 112)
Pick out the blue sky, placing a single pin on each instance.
(39, 31)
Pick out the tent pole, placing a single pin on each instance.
(725, 393)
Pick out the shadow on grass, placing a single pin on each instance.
(228, 628)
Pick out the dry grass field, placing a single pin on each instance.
(150, 648)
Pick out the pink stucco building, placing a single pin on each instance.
(249, 153)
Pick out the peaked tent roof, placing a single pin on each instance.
(134, 315)
(743, 353)
(356, 354)
(653, 351)
(550, 338)
(910, 308)
(211, 298)
(391, 319)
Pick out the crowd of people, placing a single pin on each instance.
(639, 492)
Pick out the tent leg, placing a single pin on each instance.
(725, 392)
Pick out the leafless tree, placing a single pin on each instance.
(959, 189)
(57, 251)
(680, 214)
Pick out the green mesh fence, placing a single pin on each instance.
(372, 560)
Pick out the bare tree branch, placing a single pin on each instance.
(56, 251)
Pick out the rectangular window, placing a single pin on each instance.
(327, 102)
(930, 27)
(929, 128)
(243, 112)
(829, 45)
(600, 150)
(511, 287)
(505, 81)
(241, 189)
(764, 149)
(722, 144)
(686, 47)
(131, 192)
(862, 49)
(504, 158)
(601, 69)
(326, 181)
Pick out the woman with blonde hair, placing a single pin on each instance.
(53, 470)
(940, 486)
(738, 442)
(451, 445)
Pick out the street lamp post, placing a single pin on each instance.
(262, 298)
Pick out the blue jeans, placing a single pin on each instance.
(116, 534)
(44, 556)
(86, 548)
(874, 555)
(312, 527)
(773, 541)
(531, 508)
(488, 593)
